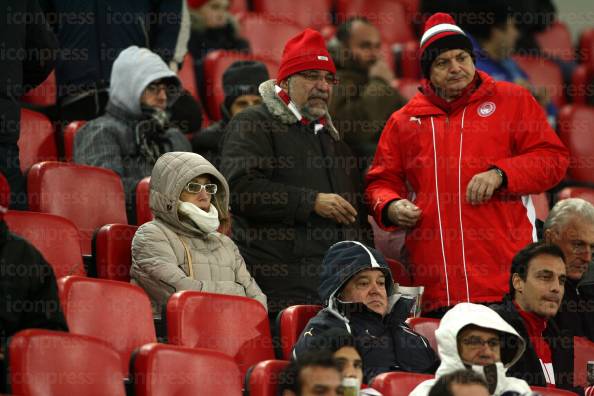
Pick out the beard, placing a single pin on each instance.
(318, 110)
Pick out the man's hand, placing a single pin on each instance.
(404, 213)
(482, 186)
(335, 207)
(380, 69)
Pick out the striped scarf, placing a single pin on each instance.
(284, 97)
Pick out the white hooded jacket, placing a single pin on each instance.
(456, 319)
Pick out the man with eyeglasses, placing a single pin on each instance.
(295, 184)
(536, 287)
(474, 337)
(570, 225)
(135, 130)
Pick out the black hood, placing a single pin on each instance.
(345, 259)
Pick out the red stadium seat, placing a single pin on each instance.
(425, 327)
(541, 205)
(390, 17)
(143, 210)
(577, 192)
(263, 378)
(4, 191)
(307, 13)
(187, 75)
(238, 6)
(556, 42)
(586, 48)
(583, 352)
(540, 390)
(44, 94)
(44, 362)
(215, 64)
(116, 312)
(268, 34)
(399, 272)
(113, 251)
(575, 130)
(291, 321)
(407, 60)
(398, 383)
(88, 196)
(69, 134)
(55, 237)
(582, 84)
(236, 326)
(36, 142)
(161, 369)
(544, 73)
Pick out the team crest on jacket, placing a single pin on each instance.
(486, 109)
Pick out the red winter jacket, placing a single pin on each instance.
(461, 252)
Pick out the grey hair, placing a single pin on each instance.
(568, 208)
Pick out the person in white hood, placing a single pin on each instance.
(475, 337)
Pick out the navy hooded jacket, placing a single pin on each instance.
(385, 343)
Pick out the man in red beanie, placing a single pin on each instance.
(295, 185)
(456, 167)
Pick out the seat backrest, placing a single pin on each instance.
(576, 133)
(291, 322)
(556, 41)
(36, 141)
(584, 193)
(398, 383)
(88, 196)
(586, 47)
(407, 60)
(4, 191)
(69, 134)
(44, 362)
(237, 326)
(113, 251)
(259, 28)
(116, 312)
(544, 73)
(143, 210)
(215, 64)
(582, 81)
(55, 237)
(44, 94)
(583, 352)
(543, 391)
(161, 369)
(307, 13)
(263, 378)
(425, 327)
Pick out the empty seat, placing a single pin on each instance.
(577, 192)
(575, 130)
(236, 326)
(290, 322)
(268, 34)
(263, 378)
(4, 191)
(36, 141)
(143, 210)
(215, 64)
(113, 251)
(43, 95)
(398, 383)
(48, 363)
(55, 237)
(425, 327)
(555, 41)
(544, 73)
(583, 352)
(88, 196)
(69, 134)
(307, 13)
(161, 369)
(116, 312)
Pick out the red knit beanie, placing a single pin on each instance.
(306, 51)
(441, 34)
(196, 3)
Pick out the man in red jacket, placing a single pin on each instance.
(455, 167)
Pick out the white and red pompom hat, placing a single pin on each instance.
(441, 34)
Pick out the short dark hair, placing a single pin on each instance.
(290, 377)
(343, 31)
(523, 257)
(480, 18)
(443, 385)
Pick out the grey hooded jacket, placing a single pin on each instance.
(109, 141)
(159, 258)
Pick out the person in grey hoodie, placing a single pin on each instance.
(473, 336)
(181, 248)
(135, 129)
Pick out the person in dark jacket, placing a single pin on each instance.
(570, 225)
(23, 30)
(240, 84)
(295, 190)
(536, 287)
(92, 33)
(358, 293)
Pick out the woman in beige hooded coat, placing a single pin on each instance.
(181, 248)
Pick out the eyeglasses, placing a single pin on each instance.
(197, 188)
(478, 342)
(156, 87)
(315, 77)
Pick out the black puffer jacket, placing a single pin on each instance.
(385, 343)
